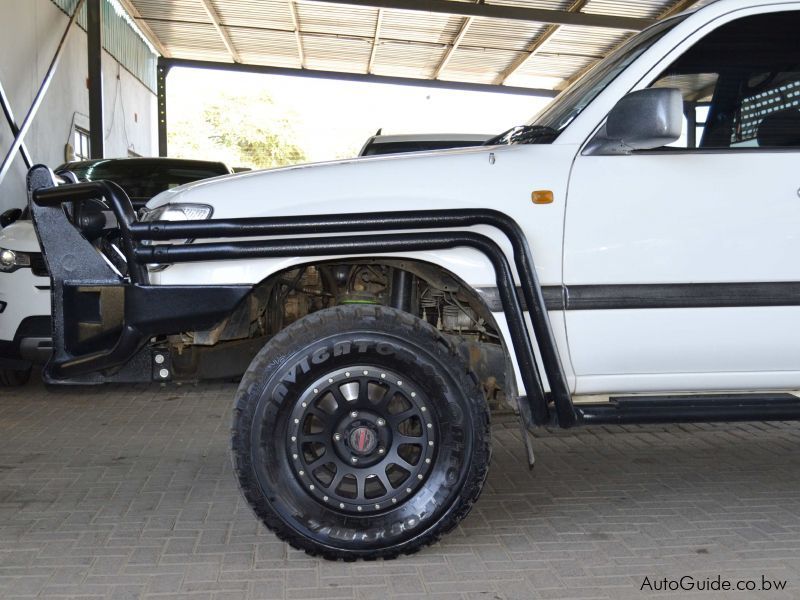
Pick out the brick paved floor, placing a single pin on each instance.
(127, 492)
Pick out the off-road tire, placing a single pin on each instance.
(14, 378)
(324, 347)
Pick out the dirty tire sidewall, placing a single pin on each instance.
(14, 378)
(340, 338)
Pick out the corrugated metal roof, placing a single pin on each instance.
(386, 39)
(120, 40)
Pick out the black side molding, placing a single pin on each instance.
(661, 295)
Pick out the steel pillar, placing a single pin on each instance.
(94, 32)
(161, 94)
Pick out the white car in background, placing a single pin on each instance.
(25, 336)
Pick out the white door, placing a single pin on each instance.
(682, 264)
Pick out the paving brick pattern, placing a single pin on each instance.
(127, 492)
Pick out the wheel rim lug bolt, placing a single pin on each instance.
(430, 443)
(354, 414)
(294, 438)
(347, 373)
(337, 436)
(302, 473)
(394, 500)
(354, 460)
(381, 422)
(311, 487)
(419, 476)
(381, 451)
(341, 504)
(377, 506)
(408, 490)
(358, 509)
(428, 461)
(423, 409)
(294, 456)
(430, 425)
(330, 380)
(325, 498)
(383, 375)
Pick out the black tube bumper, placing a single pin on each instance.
(104, 338)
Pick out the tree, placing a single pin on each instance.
(245, 129)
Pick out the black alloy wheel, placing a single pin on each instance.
(362, 439)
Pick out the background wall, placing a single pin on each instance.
(29, 36)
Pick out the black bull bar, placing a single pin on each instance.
(110, 320)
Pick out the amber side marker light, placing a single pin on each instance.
(542, 197)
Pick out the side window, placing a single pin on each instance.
(80, 144)
(769, 116)
(741, 85)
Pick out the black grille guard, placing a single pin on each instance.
(110, 321)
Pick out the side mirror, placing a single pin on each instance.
(641, 120)
(9, 216)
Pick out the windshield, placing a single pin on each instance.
(143, 179)
(376, 148)
(545, 127)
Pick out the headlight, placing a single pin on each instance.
(179, 212)
(11, 261)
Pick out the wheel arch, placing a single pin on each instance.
(449, 273)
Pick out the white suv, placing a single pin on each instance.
(630, 256)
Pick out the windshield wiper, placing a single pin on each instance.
(524, 134)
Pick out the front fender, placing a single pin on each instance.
(466, 265)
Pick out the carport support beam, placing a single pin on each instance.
(94, 32)
(12, 123)
(345, 76)
(161, 95)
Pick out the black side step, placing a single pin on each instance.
(686, 409)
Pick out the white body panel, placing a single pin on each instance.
(497, 177)
(20, 236)
(25, 294)
(736, 222)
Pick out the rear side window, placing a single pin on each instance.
(741, 85)
(767, 110)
